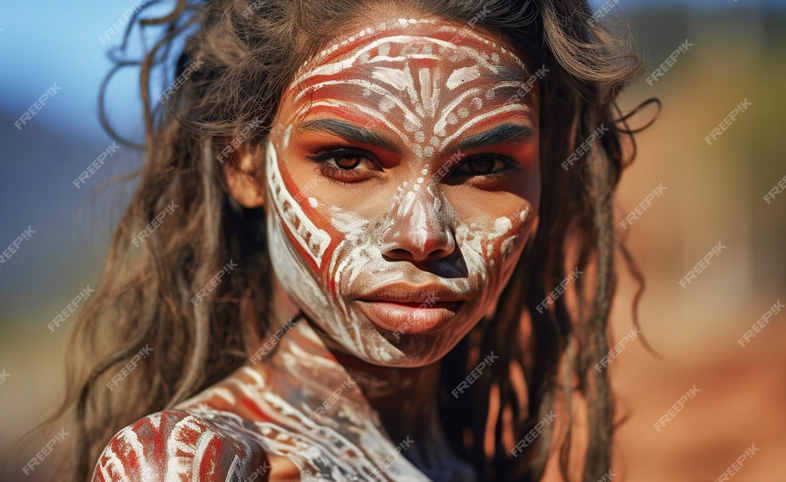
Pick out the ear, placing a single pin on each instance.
(244, 178)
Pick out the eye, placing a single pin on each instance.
(485, 164)
(346, 164)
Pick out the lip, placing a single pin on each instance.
(411, 309)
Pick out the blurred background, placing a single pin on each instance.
(714, 193)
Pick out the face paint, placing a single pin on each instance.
(341, 261)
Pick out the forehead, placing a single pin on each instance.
(420, 78)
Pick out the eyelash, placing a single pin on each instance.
(508, 164)
(326, 160)
(332, 171)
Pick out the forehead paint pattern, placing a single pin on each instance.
(428, 91)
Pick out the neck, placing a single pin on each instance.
(401, 402)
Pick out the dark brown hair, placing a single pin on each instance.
(247, 52)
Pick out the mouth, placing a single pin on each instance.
(410, 309)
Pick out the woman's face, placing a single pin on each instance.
(402, 183)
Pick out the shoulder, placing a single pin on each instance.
(176, 445)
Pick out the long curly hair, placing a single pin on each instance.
(247, 51)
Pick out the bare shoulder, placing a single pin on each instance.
(176, 445)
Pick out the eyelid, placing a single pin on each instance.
(510, 163)
(342, 151)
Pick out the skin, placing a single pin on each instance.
(400, 187)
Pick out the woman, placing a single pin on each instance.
(372, 241)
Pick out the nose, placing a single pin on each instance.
(419, 230)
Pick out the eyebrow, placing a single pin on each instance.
(503, 133)
(352, 132)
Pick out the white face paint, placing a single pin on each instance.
(413, 229)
